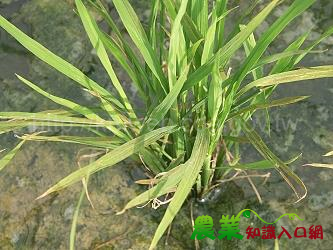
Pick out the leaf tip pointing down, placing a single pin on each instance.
(49, 191)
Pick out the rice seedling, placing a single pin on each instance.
(197, 108)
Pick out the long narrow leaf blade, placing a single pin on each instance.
(10, 155)
(292, 12)
(159, 112)
(120, 153)
(139, 37)
(55, 61)
(224, 54)
(167, 183)
(98, 142)
(288, 175)
(52, 118)
(290, 76)
(193, 168)
(275, 103)
(73, 106)
(95, 38)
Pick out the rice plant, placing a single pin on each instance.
(197, 108)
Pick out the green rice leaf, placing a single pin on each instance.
(95, 38)
(153, 22)
(58, 112)
(286, 64)
(215, 95)
(199, 15)
(326, 34)
(139, 37)
(75, 220)
(288, 175)
(166, 184)
(160, 111)
(121, 50)
(155, 163)
(177, 63)
(274, 103)
(242, 16)
(224, 54)
(177, 50)
(19, 124)
(238, 139)
(52, 118)
(121, 57)
(192, 51)
(6, 127)
(290, 76)
(73, 106)
(249, 44)
(280, 56)
(265, 40)
(221, 8)
(189, 26)
(61, 101)
(193, 168)
(210, 36)
(98, 142)
(260, 165)
(283, 64)
(120, 153)
(10, 155)
(56, 62)
(236, 42)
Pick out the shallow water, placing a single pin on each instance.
(28, 224)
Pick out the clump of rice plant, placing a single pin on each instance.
(197, 108)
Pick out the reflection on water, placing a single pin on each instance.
(27, 224)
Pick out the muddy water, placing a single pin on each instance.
(28, 224)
